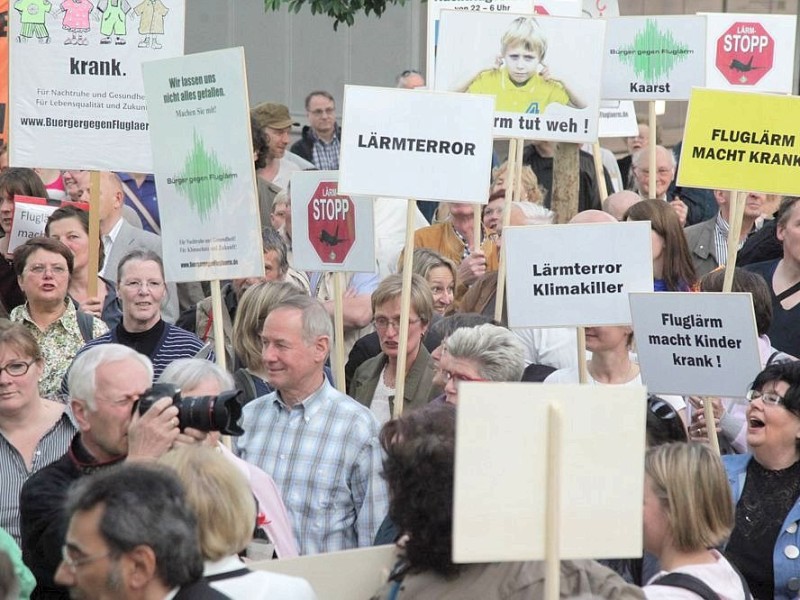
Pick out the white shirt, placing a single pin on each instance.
(555, 347)
(258, 584)
(719, 576)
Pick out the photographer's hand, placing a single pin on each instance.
(150, 435)
(191, 437)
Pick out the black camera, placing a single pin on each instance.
(206, 413)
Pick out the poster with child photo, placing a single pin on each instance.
(544, 72)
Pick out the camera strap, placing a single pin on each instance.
(227, 575)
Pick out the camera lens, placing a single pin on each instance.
(212, 413)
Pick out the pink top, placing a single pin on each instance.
(272, 515)
(76, 13)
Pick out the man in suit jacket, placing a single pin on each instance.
(132, 536)
(708, 240)
(119, 238)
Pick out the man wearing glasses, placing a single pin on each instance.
(132, 535)
(319, 143)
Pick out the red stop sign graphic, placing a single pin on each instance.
(539, 10)
(744, 53)
(331, 223)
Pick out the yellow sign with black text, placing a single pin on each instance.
(741, 141)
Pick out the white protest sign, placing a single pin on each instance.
(501, 468)
(653, 58)
(567, 275)
(422, 145)
(617, 119)
(751, 53)
(330, 231)
(348, 575)
(76, 81)
(696, 344)
(29, 222)
(205, 173)
(555, 96)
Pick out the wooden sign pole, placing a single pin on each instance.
(405, 310)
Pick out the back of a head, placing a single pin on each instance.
(143, 505)
(744, 281)
(418, 467)
(188, 373)
(664, 425)
(498, 353)
(692, 485)
(443, 328)
(219, 495)
(592, 216)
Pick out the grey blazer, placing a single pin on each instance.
(128, 239)
(702, 248)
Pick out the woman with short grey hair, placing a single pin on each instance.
(484, 353)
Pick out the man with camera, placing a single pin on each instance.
(105, 384)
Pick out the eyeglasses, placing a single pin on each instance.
(40, 270)
(660, 408)
(73, 563)
(765, 397)
(140, 285)
(459, 377)
(17, 368)
(382, 323)
(664, 171)
(318, 112)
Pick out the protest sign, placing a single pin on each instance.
(653, 58)
(204, 166)
(566, 275)
(29, 220)
(75, 76)
(348, 575)
(750, 52)
(552, 94)
(422, 145)
(741, 141)
(600, 9)
(617, 119)
(557, 8)
(330, 231)
(696, 344)
(501, 464)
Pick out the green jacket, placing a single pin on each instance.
(419, 388)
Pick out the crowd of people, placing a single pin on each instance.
(110, 487)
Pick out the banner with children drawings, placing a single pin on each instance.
(75, 80)
(544, 72)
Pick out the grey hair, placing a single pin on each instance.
(316, 320)
(143, 255)
(640, 158)
(497, 351)
(82, 373)
(272, 240)
(143, 505)
(533, 213)
(188, 373)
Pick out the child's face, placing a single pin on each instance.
(522, 64)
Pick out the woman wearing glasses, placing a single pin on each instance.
(33, 431)
(375, 381)
(141, 290)
(44, 267)
(765, 542)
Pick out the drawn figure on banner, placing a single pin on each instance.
(76, 20)
(32, 15)
(113, 20)
(520, 80)
(151, 15)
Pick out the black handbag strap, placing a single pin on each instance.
(227, 575)
(787, 292)
(687, 582)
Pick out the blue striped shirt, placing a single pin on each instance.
(325, 457)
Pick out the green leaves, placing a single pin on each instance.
(341, 11)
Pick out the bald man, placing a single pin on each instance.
(618, 203)
(592, 216)
(119, 238)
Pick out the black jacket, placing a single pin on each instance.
(304, 147)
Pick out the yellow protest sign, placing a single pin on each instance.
(741, 141)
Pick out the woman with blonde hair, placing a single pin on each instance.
(531, 190)
(254, 306)
(226, 517)
(688, 512)
(441, 274)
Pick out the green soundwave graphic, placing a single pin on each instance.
(654, 53)
(203, 178)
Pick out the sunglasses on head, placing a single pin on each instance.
(661, 408)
